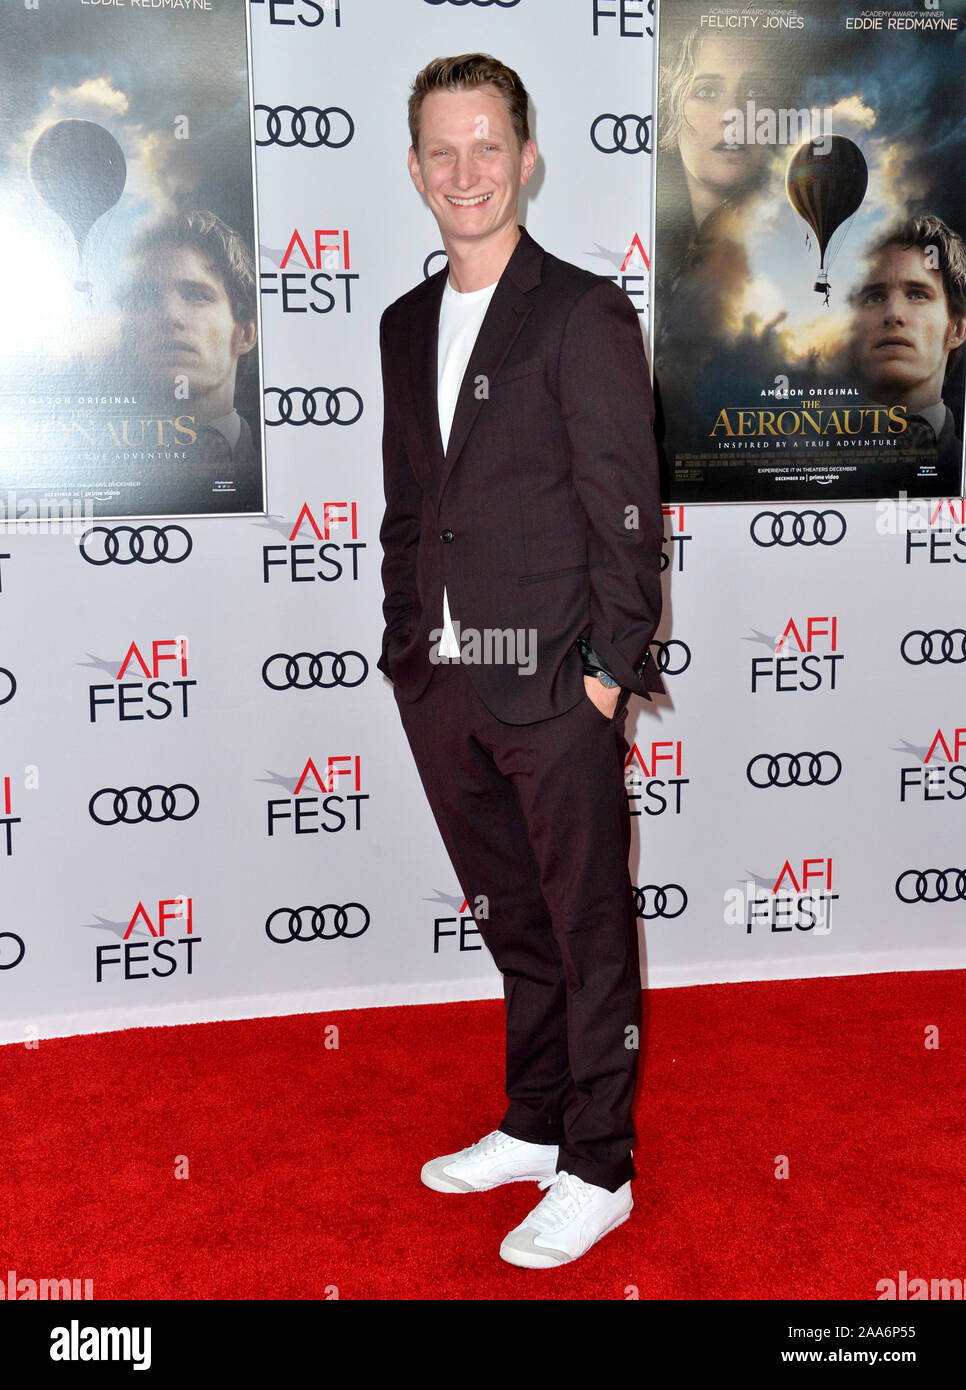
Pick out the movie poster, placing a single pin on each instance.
(129, 360)
(809, 268)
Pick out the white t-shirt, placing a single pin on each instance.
(460, 317)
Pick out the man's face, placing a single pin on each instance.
(469, 164)
(902, 330)
(187, 327)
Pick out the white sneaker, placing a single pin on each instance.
(492, 1161)
(571, 1218)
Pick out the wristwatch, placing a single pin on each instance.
(593, 666)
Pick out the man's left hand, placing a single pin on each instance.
(605, 699)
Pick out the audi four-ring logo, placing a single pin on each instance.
(794, 769)
(172, 544)
(501, 4)
(931, 886)
(629, 134)
(315, 405)
(8, 678)
(18, 950)
(307, 125)
(305, 670)
(652, 901)
(934, 647)
(672, 663)
(132, 805)
(797, 528)
(323, 923)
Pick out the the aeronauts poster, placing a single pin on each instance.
(129, 360)
(809, 269)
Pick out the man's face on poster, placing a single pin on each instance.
(902, 329)
(186, 326)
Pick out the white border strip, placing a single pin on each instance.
(378, 996)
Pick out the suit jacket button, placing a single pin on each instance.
(446, 536)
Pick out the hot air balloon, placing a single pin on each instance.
(78, 168)
(826, 182)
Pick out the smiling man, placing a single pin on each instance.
(521, 486)
(908, 325)
(191, 323)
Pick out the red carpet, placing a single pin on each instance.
(304, 1161)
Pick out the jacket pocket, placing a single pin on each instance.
(516, 370)
(552, 574)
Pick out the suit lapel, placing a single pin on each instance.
(423, 348)
(504, 318)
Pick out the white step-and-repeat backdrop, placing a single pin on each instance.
(207, 805)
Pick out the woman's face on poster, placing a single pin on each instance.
(727, 76)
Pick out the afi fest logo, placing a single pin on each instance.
(324, 251)
(940, 774)
(457, 929)
(168, 941)
(934, 528)
(806, 657)
(303, 14)
(674, 542)
(661, 765)
(8, 820)
(629, 18)
(305, 812)
(632, 269)
(161, 692)
(799, 900)
(327, 552)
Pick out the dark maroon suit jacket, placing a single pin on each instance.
(550, 449)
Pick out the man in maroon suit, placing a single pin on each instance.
(521, 570)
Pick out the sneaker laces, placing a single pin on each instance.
(489, 1144)
(567, 1195)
